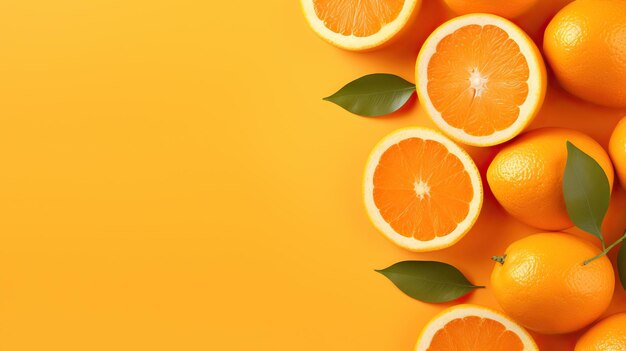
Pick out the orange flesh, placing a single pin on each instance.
(489, 55)
(475, 334)
(360, 18)
(404, 173)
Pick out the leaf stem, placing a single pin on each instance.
(606, 250)
(604, 243)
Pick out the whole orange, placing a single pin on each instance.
(585, 44)
(542, 284)
(617, 150)
(608, 335)
(526, 176)
(508, 9)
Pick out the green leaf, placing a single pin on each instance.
(374, 95)
(586, 191)
(621, 265)
(429, 281)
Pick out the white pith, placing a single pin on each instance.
(477, 82)
(352, 42)
(527, 110)
(462, 311)
(421, 188)
(385, 228)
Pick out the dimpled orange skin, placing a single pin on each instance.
(544, 286)
(526, 176)
(617, 150)
(608, 335)
(508, 9)
(585, 44)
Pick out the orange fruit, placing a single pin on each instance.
(542, 284)
(584, 44)
(481, 79)
(617, 150)
(608, 335)
(359, 24)
(508, 9)
(526, 176)
(473, 328)
(421, 190)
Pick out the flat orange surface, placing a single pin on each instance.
(171, 180)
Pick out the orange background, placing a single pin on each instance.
(172, 180)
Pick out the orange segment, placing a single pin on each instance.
(359, 18)
(413, 185)
(481, 79)
(359, 24)
(422, 191)
(473, 328)
(475, 333)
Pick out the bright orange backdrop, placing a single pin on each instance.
(171, 180)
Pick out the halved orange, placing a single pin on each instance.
(359, 24)
(481, 79)
(421, 190)
(473, 328)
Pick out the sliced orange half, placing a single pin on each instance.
(421, 190)
(481, 79)
(359, 24)
(473, 328)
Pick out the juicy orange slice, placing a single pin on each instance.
(481, 79)
(359, 24)
(473, 328)
(422, 191)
